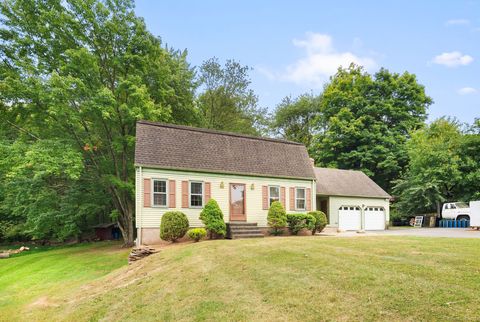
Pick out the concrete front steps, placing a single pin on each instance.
(240, 229)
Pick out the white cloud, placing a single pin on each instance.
(453, 59)
(320, 61)
(453, 22)
(467, 90)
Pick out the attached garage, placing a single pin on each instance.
(349, 218)
(351, 200)
(374, 218)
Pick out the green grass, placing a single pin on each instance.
(271, 279)
(28, 280)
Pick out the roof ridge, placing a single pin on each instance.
(199, 129)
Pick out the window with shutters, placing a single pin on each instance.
(273, 194)
(300, 198)
(196, 194)
(159, 192)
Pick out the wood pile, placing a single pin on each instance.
(16, 251)
(7, 253)
(139, 253)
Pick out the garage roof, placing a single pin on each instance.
(188, 148)
(336, 182)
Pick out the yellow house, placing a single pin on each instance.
(181, 168)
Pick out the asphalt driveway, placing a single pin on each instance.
(419, 232)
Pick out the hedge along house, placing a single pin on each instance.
(181, 168)
(351, 200)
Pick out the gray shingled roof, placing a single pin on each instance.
(189, 148)
(336, 182)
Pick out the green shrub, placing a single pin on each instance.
(197, 233)
(174, 225)
(212, 218)
(277, 218)
(297, 222)
(11, 231)
(320, 221)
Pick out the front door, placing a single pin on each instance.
(237, 202)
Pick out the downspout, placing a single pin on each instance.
(139, 207)
(362, 219)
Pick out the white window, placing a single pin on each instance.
(159, 193)
(196, 194)
(273, 194)
(300, 198)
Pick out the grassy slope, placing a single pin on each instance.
(303, 278)
(30, 279)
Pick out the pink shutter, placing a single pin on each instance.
(282, 196)
(208, 191)
(265, 197)
(147, 202)
(309, 199)
(184, 194)
(292, 198)
(171, 194)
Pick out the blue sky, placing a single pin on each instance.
(294, 46)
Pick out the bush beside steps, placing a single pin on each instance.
(174, 226)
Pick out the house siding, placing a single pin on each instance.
(150, 217)
(335, 202)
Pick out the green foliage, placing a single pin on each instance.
(83, 73)
(365, 122)
(320, 221)
(297, 222)
(293, 118)
(174, 225)
(212, 218)
(45, 192)
(470, 165)
(444, 165)
(227, 102)
(197, 233)
(277, 218)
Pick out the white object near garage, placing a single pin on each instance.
(374, 218)
(474, 213)
(349, 218)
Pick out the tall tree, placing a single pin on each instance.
(469, 186)
(227, 102)
(365, 120)
(434, 174)
(293, 117)
(84, 72)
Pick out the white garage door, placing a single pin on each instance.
(349, 218)
(374, 218)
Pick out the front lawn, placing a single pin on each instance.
(30, 279)
(271, 279)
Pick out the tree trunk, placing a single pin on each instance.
(125, 223)
(124, 204)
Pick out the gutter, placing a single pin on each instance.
(219, 172)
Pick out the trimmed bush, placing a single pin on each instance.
(277, 218)
(297, 222)
(197, 233)
(320, 221)
(174, 225)
(212, 218)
